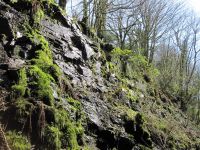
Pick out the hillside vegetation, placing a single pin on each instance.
(64, 86)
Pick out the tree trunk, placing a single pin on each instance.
(62, 4)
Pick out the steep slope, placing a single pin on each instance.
(58, 91)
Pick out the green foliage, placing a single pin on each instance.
(159, 124)
(126, 63)
(80, 117)
(42, 60)
(55, 71)
(51, 2)
(42, 70)
(13, 1)
(76, 105)
(71, 136)
(111, 66)
(21, 86)
(43, 55)
(133, 95)
(139, 61)
(38, 39)
(17, 141)
(68, 128)
(41, 81)
(194, 111)
(61, 117)
(119, 52)
(168, 129)
(35, 81)
(126, 111)
(23, 107)
(131, 114)
(52, 137)
(137, 120)
(39, 15)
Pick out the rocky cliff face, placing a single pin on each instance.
(58, 91)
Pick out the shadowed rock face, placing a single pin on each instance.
(5, 28)
(82, 63)
(75, 56)
(71, 51)
(78, 58)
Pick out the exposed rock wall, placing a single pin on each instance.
(83, 99)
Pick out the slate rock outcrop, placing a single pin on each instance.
(99, 112)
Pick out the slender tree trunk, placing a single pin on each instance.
(62, 4)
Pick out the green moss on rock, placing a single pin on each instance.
(39, 15)
(36, 82)
(21, 86)
(43, 58)
(67, 128)
(52, 137)
(23, 107)
(17, 141)
(71, 136)
(41, 82)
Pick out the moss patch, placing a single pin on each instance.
(23, 107)
(17, 141)
(168, 132)
(37, 113)
(125, 111)
(52, 137)
(21, 86)
(63, 133)
(41, 84)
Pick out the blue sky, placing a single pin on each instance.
(194, 4)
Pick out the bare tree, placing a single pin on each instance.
(140, 25)
(179, 71)
(155, 20)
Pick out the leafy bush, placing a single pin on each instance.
(129, 64)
